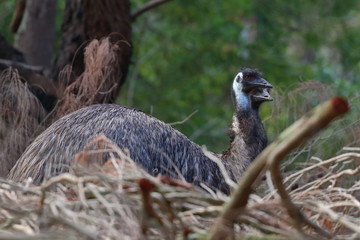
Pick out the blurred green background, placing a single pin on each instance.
(186, 54)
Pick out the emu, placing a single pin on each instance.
(153, 144)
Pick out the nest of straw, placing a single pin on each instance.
(119, 200)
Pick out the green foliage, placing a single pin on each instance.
(187, 53)
(6, 11)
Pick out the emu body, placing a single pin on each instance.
(153, 144)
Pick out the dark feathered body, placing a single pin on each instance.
(156, 146)
(151, 142)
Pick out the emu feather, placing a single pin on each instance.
(153, 144)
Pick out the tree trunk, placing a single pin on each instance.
(85, 20)
(37, 32)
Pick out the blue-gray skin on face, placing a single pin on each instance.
(152, 143)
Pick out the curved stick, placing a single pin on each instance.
(292, 137)
(146, 7)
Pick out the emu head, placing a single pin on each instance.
(250, 89)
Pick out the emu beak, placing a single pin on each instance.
(257, 83)
(262, 94)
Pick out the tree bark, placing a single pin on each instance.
(37, 32)
(85, 20)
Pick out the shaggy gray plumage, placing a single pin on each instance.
(152, 143)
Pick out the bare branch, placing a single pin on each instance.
(33, 75)
(296, 215)
(146, 7)
(4, 63)
(184, 120)
(18, 15)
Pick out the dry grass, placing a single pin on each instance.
(97, 84)
(289, 106)
(121, 201)
(22, 117)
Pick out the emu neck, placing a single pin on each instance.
(248, 139)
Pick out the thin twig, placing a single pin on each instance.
(334, 216)
(221, 166)
(146, 7)
(15, 64)
(17, 15)
(184, 120)
(298, 218)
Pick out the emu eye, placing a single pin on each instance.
(247, 78)
(254, 91)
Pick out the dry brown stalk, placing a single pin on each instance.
(270, 158)
(338, 159)
(99, 81)
(105, 202)
(21, 114)
(334, 216)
